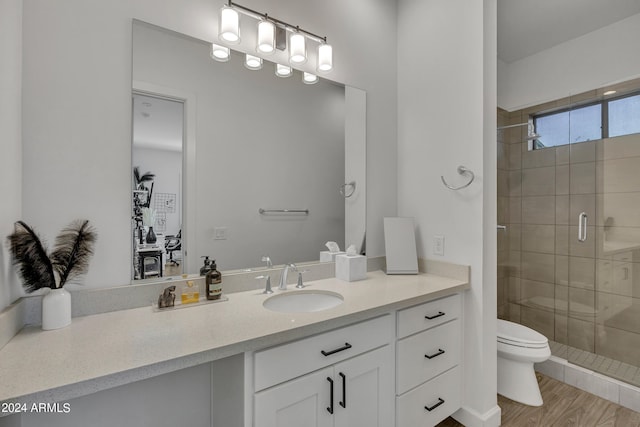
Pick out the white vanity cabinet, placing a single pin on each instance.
(428, 354)
(347, 379)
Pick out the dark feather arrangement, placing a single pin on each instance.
(69, 258)
(141, 181)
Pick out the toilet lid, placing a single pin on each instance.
(516, 334)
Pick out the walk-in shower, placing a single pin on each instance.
(569, 252)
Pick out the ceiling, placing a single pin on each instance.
(157, 123)
(526, 27)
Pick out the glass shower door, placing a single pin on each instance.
(603, 242)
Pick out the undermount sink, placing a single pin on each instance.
(303, 301)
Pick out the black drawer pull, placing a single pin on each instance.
(330, 408)
(440, 313)
(440, 351)
(347, 346)
(343, 402)
(440, 402)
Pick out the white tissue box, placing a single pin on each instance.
(328, 256)
(351, 268)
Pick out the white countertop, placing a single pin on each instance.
(111, 349)
(612, 247)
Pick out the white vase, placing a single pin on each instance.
(56, 309)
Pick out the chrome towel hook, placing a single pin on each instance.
(462, 171)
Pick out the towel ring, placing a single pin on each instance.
(462, 171)
(343, 189)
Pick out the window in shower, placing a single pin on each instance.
(608, 118)
(624, 115)
(568, 126)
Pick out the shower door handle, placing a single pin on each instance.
(582, 227)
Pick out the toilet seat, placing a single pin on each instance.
(510, 333)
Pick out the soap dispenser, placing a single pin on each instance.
(213, 282)
(206, 268)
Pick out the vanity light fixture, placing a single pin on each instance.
(266, 36)
(283, 70)
(309, 79)
(229, 29)
(220, 53)
(609, 92)
(272, 35)
(325, 57)
(252, 62)
(297, 48)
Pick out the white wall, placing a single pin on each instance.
(10, 139)
(608, 55)
(77, 108)
(180, 398)
(446, 118)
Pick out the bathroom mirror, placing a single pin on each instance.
(265, 159)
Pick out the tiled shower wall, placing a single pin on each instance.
(585, 295)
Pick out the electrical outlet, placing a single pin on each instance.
(438, 245)
(220, 233)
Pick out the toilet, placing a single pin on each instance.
(519, 348)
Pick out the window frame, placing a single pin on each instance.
(604, 119)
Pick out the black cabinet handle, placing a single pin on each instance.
(440, 402)
(440, 351)
(330, 408)
(347, 346)
(343, 402)
(440, 313)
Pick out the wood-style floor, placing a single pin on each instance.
(564, 405)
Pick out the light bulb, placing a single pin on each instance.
(266, 36)
(229, 25)
(283, 70)
(252, 62)
(309, 79)
(297, 49)
(325, 57)
(220, 53)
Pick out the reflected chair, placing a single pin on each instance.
(171, 245)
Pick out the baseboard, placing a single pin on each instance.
(471, 418)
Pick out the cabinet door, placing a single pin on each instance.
(300, 402)
(364, 395)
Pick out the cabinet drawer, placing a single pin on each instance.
(278, 364)
(441, 395)
(428, 315)
(425, 355)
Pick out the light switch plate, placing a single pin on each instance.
(220, 233)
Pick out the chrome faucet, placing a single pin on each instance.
(266, 259)
(283, 276)
(267, 289)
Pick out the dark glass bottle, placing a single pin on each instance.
(213, 282)
(206, 268)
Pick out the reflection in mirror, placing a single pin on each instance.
(256, 141)
(157, 182)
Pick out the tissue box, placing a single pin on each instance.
(351, 268)
(327, 256)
